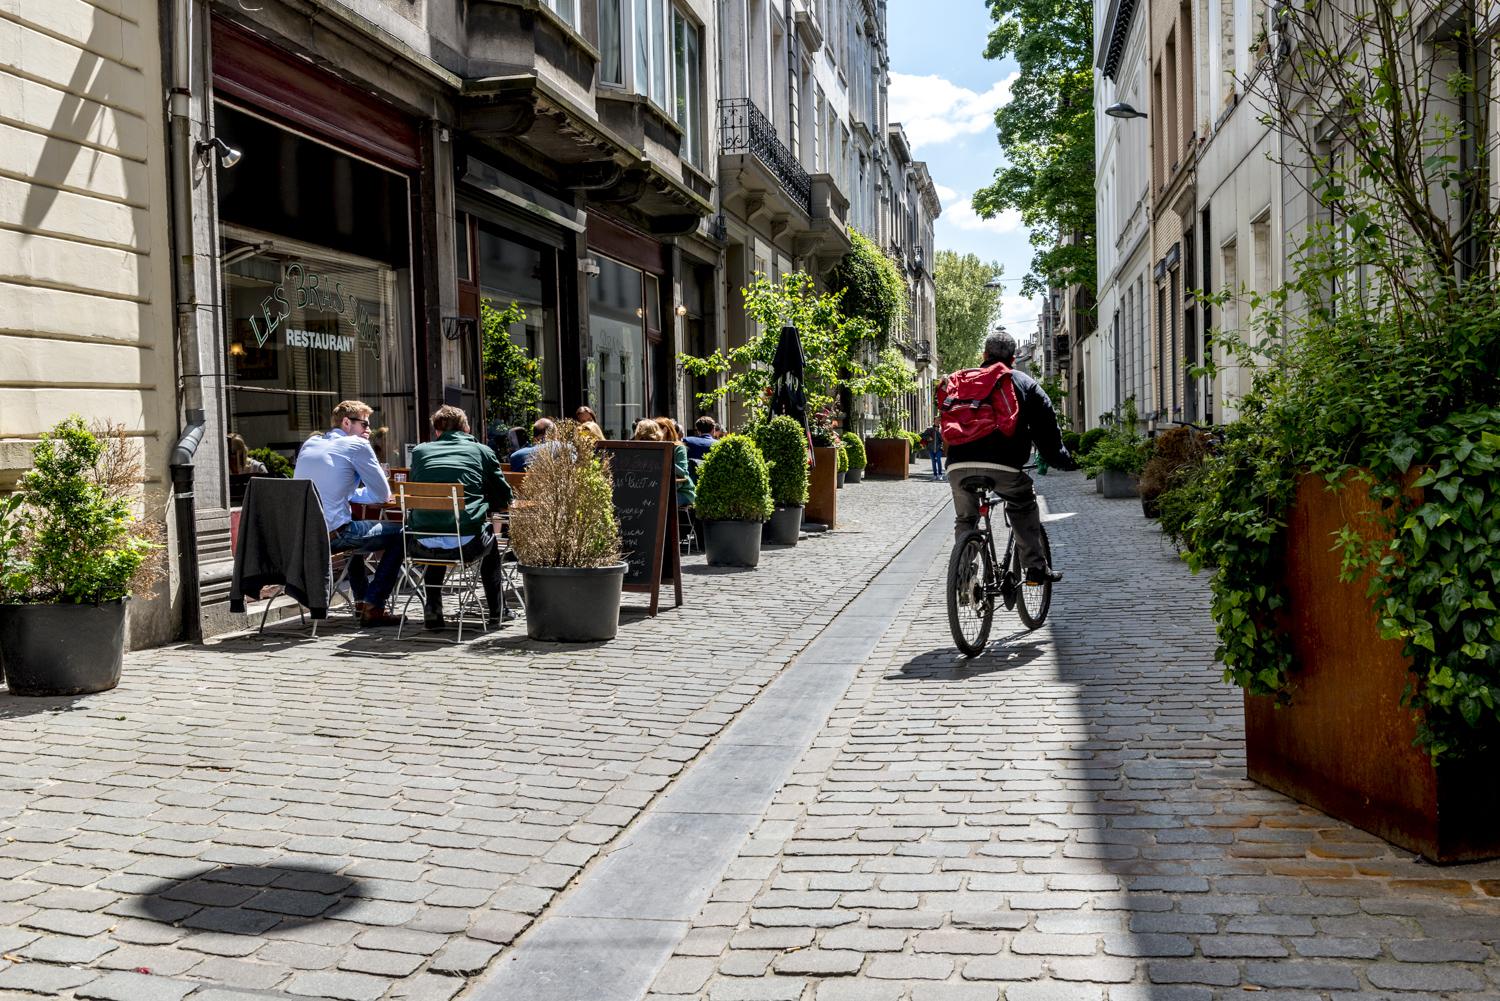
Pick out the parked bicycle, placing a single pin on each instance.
(977, 579)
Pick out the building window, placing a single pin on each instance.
(611, 44)
(565, 9)
(688, 86)
(617, 327)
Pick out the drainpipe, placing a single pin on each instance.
(178, 44)
(187, 524)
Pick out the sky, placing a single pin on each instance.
(945, 93)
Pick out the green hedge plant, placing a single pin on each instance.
(1090, 439)
(784, 445)
(276, 464)
(843, 458)
(70, 536)
(734, 483)
(856, 449)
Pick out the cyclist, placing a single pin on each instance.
(999, 458)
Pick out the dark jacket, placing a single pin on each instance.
(1037, 426)
(283, 539)
(457, 457)
(698, 445)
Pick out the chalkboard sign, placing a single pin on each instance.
(645, 492)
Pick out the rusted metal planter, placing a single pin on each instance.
(1344, 744)
(822, 488)
(889, 457)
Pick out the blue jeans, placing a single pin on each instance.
(937, 464)
(361, 537)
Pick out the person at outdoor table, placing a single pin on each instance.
(456, 456)
(700, 442)
(521, 457)
(663, 429)
(344, 468)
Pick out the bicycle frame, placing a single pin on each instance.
(1005, 585)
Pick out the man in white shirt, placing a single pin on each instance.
(344, 468)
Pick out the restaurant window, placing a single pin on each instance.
(308, 328)
(317, 290)
(617, 366)
(512, 271)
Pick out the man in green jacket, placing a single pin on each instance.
(456, 456)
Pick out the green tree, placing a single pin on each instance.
(874, 288)
(1046, 131)
(965, 306)
(829, 338)
(512, 378)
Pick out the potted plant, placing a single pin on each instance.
(784, 446)
(567, 541)
(71, 553)
(734, 501)
(841, 465)
(854, 449)
(890, 381)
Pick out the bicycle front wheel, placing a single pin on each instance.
(1035, 599)
(971, 606)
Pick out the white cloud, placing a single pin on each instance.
(1018, 313)
(958, 210)
(935, 110)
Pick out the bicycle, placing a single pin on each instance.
(971, 594)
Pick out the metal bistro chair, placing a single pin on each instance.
(462, 577)
(338, 560)
(510, 567)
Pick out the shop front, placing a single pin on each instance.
(316, 259)
(630, 366)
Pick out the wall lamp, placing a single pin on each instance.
(228, 155)
(1122, 110)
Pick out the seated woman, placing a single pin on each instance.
(666, 430)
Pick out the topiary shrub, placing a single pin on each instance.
(734, 483)
(855, 446)
(570, 518)
(1090, 438)
(69, 536)
(784, 447)
(1071, 440)
(843, 458)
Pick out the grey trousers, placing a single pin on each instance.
(1020, 503)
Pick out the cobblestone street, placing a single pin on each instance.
(1066, 817)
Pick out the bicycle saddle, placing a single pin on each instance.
(976, 484)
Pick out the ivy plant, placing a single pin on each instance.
(512, 378)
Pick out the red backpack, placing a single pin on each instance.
(978, 402)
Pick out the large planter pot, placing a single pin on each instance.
(854, 475)
(62, 649)
(1344, 743)
(888, 457)
(1115, 484)
(732, 543)
(822, 488)
(785, 526)
(572, 604)
(838, 480)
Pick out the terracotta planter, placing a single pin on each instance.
(888, 457)
(1344, 745)
(822, 488)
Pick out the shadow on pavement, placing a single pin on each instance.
(704, 570)
(250, 899)
(946, 664)
(18, 706)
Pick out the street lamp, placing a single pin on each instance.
(1122, 110)
(995, 282)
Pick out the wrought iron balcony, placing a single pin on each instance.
(745, 130)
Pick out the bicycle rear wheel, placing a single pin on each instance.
(1035, 599)
(971, 606)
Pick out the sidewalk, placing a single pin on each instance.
(1067, 819)
(358, 818)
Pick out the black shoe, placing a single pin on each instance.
(1036, 578)
(433, 619)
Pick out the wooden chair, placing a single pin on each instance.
(462, 577)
